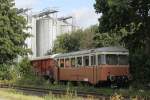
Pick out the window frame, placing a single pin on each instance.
(63, 62)
(67, 59)
(110, 62)
(58, 62)
(95, 56)
(73, 66)
(83, 62)
(126, 61)
(77, 65)
(102, 59)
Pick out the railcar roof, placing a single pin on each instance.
(103, 49)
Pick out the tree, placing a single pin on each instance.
(128, 23)
(74, 41)
(131, 15)
(25, 67)
(87, 41)
(12, 34)
(67, 42)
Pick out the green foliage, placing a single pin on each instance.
(127, 23)
(5, 72)
(106, 39)
(80, 39)
(25, 67)
(130, 15)
(87, 41)
(27, 77)
(8, 72)
(32, 81)
(66, 43)
(12, 34)
(140, 68)
(14, 72)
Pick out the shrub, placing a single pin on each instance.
(27, 75)
(8, 72)
(25, 67)
(140, 69)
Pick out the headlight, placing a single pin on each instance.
(112, 78)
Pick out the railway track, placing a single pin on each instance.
(59, 92)
(42, 91)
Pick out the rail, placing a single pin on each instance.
(57, 91)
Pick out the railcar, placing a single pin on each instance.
(94, 66)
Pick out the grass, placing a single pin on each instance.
(10, 94)
(86, 88)
(13, 95)
(55, 86)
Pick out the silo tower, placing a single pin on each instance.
(46, 24)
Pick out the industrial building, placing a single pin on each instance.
(44, 27)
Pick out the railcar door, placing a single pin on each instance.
(97, 61)
(94, 68)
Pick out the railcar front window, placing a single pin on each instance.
(79, 61)
(93, 60)
(123, 60)
(86, 60)
(111, 59)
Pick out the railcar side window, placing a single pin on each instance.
(67, 62)
(86, 60)
(62, 63)
(101, 59)
(72, 62)
(111, 59)
(123, 60)
(58, 63)
(93, 60)
(79, 61)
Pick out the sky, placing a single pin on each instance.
(82, 10)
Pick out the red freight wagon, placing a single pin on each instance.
(44, 66)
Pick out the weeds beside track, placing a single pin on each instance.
(42, 91)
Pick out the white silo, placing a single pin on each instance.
(64, 26)
(33, 37)
(45, 35)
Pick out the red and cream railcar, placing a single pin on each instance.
(94, 66)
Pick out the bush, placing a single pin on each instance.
(32, 81)
(140, 69)
(25, 67)
(27, 75)
(21, 74)
(8, 72)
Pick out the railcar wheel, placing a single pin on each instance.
(46, 77)
(51, 80)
